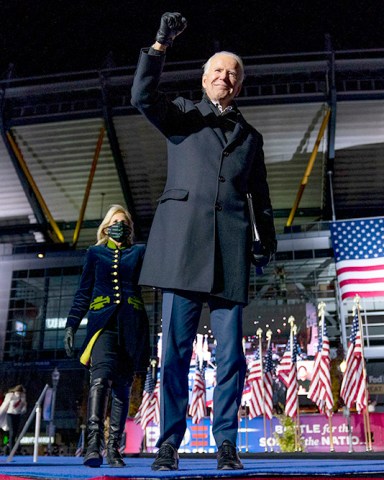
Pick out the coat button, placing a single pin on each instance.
(221, 179)
(117, 301)
(114, 273)
(218, 207)
(225, 154)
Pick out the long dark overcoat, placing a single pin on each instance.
(200, 238)
(108, 287)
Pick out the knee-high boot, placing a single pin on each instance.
(119, 411)
(97, 406)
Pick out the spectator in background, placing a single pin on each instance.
(11, 410)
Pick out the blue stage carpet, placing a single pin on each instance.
(199, 467)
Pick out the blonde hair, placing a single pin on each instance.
(229, 54)
(102, 235)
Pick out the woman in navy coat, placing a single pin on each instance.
(117, 338)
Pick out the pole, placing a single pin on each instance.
(32, 184)
(259, 332)
(37, 433)
(331, 446)
(51, 426)
(347, 415)
(88, 187)
(367, 425)
(327, 411)
(309, 168)
(269, 337)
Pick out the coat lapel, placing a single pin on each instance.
(206, 109)
(210, 117)
(239, 129)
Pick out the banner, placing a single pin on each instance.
(314, 431)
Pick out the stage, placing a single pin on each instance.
(261, 466)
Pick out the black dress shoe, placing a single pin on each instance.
(227, 457)
(167, 458)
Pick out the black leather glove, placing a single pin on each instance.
(69, 337)
(171, 25)
(261, 255)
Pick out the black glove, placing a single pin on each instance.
(69, 337)
(171, 25)
(261, 255)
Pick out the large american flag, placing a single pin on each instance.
(287, 372)
(198, 409)
(359, 253)
(320, 390)
(255, 382)
(353, 386)
(149, 410)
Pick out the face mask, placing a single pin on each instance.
(119, 231)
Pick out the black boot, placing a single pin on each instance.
(119, 411)
(97, 406)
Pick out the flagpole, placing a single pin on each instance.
(367, 426)
(269, 336)
(346, 408)
(331, 447)
(297, 421)
(259, 333)
(321, 309)
(291, 321)
(245, 407)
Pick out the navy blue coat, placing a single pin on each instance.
(200, 238)
(109, 286)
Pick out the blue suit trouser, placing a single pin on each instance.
(180, 316)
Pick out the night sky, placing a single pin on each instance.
(52, 36)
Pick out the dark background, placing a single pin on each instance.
(41, 37)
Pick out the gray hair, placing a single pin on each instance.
(229, 54)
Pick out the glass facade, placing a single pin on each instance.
(40, 300)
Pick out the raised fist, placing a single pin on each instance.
(171, 25)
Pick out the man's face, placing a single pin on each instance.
(222, 80)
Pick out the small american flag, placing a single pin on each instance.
(255, 382)
(287, 372)
(80, 444)
(156, 402)
(359, 253)
(146, 412)
(268, 384)
(353, 386)
(198, 409)
(320, 390)
(214, 382)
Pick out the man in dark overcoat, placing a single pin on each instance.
(200, 245)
